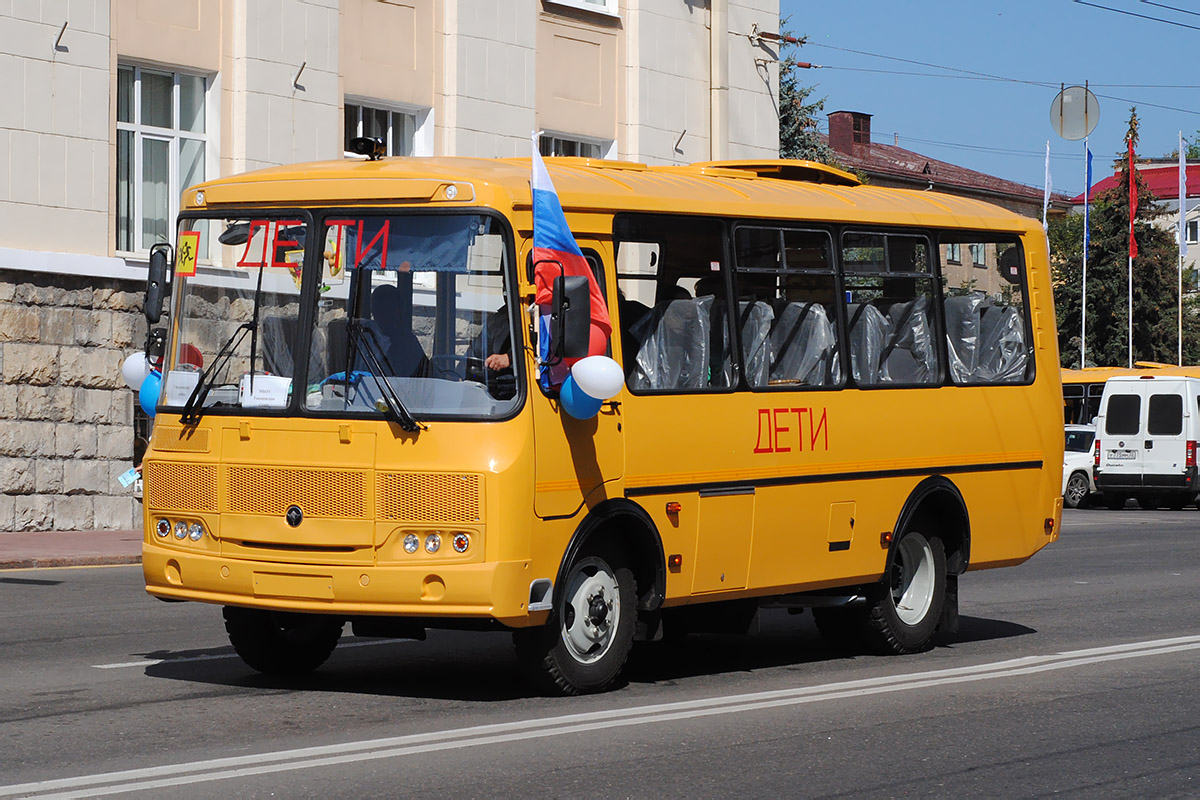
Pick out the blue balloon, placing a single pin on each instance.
(148, 392)
(576, 402)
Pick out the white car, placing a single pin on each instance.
(1078, 485)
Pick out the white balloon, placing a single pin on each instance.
(598, 376)
(135, 369)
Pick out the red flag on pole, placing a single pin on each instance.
(1132, 202)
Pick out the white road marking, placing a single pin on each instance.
(149, 662)
(169, 775)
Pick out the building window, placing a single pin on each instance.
(559, 146)
(1193, 231)
(599, 6)
(954, 253)
(977, 255)
(162, 145)
(396, 129)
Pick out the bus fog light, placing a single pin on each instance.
(411, 543)
(163, 528)
(181, 531)
(195, 531)
(461, 542)
(433, 543)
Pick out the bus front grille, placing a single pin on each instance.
(434, 497)
(180, 487)
(318, 492)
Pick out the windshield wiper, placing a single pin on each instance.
(193, 409)
(389, 403)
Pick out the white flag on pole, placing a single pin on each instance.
(1182, 198)
(1049, 187)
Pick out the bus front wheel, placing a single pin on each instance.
(587, 640)
(904, 608)
(281, 642)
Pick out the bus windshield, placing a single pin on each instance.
(410, 320)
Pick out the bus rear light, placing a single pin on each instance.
(1191, 454)
(460, 542)
(163, 528)
(411, 543)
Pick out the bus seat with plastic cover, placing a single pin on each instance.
(754, 323)
(673, 353)
(1002, 351)
(869, 334)
(804, 346)
(910, 354)
(278, 340)
(962, 335)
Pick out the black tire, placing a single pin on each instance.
(1078, 487)
(903, 610)
(1115, 502)
(1149, 502)
(282, 642)
(585, 643)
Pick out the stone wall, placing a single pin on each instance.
(66, 415)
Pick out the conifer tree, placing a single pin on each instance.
(798, 137)
(1155, 295)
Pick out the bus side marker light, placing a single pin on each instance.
(885, 538)
(675, 562)
(673, 508)
(1049, 526)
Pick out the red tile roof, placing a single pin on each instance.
(1162, 181)
(896, 162)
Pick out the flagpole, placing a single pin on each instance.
(1131, 310)
(1182, 234)
(1083, 312)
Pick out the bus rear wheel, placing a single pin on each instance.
(587, 640)
(904, 608)
(281, 642)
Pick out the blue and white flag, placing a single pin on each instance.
(1087, 193)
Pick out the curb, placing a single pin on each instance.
(47, 562)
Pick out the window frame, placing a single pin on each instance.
(418, 116)
(605, 147)
(605, 7)
(173, 136)
(1192, 230)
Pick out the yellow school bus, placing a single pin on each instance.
(837, 397)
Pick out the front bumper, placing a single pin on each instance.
(487, 590)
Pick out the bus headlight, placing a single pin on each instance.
(181, 530)
(460, 542)
(433, 543)
(411, 543)
(195, 531)
(163, 528)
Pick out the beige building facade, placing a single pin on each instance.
(115, 106)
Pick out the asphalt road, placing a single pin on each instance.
(1073, 674)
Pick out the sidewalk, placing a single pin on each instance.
(39, 549)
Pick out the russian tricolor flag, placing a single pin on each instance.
(553, 245)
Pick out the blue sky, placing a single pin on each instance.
(1001, 127)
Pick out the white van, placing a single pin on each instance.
(1146, 441)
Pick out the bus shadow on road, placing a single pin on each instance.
(482, 667)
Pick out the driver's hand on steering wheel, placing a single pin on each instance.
(498, 361)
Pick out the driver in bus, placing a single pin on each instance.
(489, 356)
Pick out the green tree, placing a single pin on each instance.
(798, 137)
(1155, 294)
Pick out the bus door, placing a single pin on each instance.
(578, 461)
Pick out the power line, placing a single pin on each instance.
(1046, 84)
(1139, 16)
(1172, 8)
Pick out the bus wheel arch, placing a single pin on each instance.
(936, 506)
(627, 525)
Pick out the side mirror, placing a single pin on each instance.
(571, 319)
(156, 282)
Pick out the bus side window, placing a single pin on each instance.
(987, 325)
(672, 316)
(889, 309)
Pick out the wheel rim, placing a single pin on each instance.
(913, 579)
(591, 611)
(1076, 488)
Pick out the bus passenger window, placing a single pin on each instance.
(987, 326)
(889, 309)
(672, 304)
(786, 295)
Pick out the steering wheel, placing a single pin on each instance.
(446, 367)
